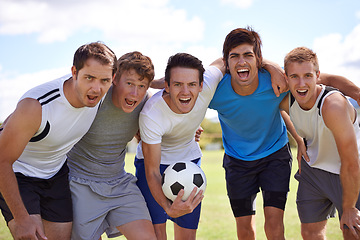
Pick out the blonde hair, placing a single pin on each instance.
(300, 55)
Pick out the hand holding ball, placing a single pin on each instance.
(182, 175)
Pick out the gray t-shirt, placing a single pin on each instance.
(100, 154)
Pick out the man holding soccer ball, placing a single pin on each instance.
(168, 123)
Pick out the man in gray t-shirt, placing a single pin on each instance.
(105, 197)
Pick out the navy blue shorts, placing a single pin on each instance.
(157, 213)
(50, 198)
(244, 179)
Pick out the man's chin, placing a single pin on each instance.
(129, 109)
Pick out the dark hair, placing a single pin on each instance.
(137, 61)
(184, 60)
(240, 36)
(97, 50)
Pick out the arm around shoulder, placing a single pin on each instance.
(278, 80)
(219, 63)
(343, 84)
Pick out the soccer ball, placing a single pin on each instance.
(182, 175)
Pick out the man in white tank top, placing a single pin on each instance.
(329, 176)
(48, 120)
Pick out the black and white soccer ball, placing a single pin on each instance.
(182, 175)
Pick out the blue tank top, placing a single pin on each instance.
(252, 126)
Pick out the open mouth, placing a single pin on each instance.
(243, 73)
(92, 98)
(302, 92)
(185, 100)
(130, 103)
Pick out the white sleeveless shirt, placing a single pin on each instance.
(62, 125)
(320, 142)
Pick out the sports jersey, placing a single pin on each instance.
(252, 126)
(176, 132)
(62, 125)
(100, 154)
(320, 142)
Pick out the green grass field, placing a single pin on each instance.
(217, 221)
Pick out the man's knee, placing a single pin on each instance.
(245, 227)
(313, 230)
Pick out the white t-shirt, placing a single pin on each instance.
(176, 132)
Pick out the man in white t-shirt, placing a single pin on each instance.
(168, 123)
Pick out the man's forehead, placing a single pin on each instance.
(245, 47)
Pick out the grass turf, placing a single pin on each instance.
(217, 221)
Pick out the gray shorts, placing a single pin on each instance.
(102, 206)
(319, 194)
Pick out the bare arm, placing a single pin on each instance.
(152, 155)
(339, 116)
(301, 151)
(19, 128)
(343, 84)
(158, 83)
(219, 63)
(278, 80)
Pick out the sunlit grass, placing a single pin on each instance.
(217, 221)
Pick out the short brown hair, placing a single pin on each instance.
(97, 50)
(300, 55)
(137, 61)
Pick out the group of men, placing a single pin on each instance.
(63, 148)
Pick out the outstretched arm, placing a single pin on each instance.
(339, 117)
(343, 84)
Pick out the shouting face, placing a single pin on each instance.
(243, 69)
(90, 83)
(302, 80)
(128, 90)
(183, 89)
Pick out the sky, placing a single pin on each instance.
(38, 38)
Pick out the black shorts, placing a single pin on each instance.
(50, 198)
(244, 179)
